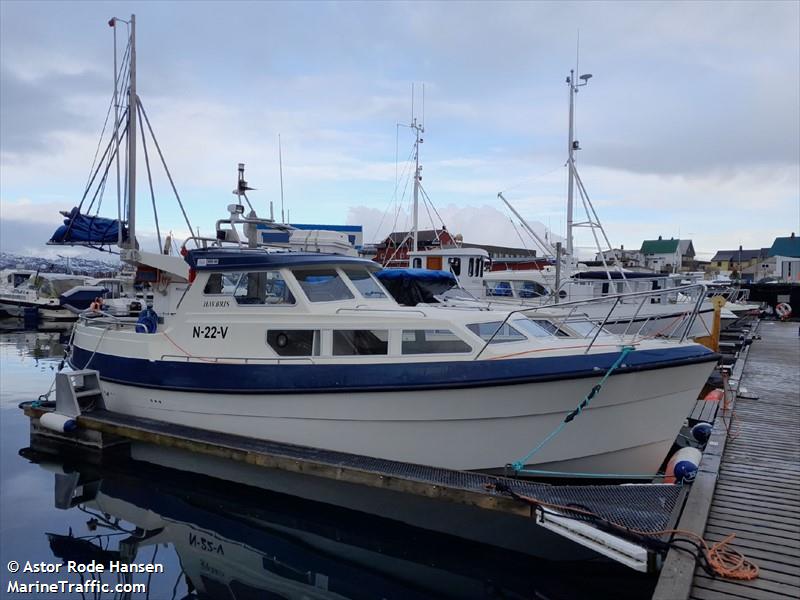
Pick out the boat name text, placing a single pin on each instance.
(210, 332)
(216, 303)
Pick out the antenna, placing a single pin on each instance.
(280, 166)
(423, 106)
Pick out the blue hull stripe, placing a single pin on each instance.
(386, 377)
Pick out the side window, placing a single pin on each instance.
(471, 269)
(432, 341)
(498, 288)
(294, 342)
(322, 285)
(505, 334)
(262, 287)
(350, 342)
(455, 266)
(417, 264)
(214, 284)
(480, 264)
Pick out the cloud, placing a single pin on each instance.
(683, 125)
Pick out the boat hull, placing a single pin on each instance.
(628, 428)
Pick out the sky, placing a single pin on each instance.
(689, 127)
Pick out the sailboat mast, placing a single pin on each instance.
(415, 224)
(132, 106)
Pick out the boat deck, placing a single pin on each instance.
(751, 487)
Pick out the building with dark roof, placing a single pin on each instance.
(786, 251)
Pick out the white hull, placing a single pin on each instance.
(473, 429)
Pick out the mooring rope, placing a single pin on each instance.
(519, 465)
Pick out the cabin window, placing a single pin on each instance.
(253, 288)
(350, 342)
(471, 267)
(417, 264)
(530, 289)
(322, 285)
(294, 342)
(550, 327)
(365, 283)
(583, 328)
(250, 288)
(535, 329)
(432, 341)
(455, 266)
(605, 288)
(505, 332)
(498, 288)
(479, 263)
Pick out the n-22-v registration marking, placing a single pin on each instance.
(209, 332)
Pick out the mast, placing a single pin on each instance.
(132, 105)
(280, 167)
(571, 151)
(573, 145)
(417, 177)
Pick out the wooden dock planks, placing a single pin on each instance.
(757, 496)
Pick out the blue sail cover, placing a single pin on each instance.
(84, 229)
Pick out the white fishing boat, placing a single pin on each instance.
(310, 349)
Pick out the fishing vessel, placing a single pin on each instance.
(253, 339)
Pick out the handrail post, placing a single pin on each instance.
(600, 328)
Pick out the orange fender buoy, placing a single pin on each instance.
(715, 395)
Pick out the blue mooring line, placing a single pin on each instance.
(519, 465)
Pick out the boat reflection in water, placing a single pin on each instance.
(226, 540)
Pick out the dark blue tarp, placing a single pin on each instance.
(415, 286)
(427, 275)
(83, 229)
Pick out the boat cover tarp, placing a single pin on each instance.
(85, 229)
(415, 286)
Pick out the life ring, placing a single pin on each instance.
(783, 310)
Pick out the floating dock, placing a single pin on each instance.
(749, 480)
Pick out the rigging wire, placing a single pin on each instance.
(166, 169)
(105, 122)
(150, 181)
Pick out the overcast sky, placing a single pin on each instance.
(690, 125)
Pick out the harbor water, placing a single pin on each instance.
(216, 537)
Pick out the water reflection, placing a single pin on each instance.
(221, 534)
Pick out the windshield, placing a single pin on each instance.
(364, 283)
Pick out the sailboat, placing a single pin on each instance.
(254, 339)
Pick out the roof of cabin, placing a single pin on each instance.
(240, 259)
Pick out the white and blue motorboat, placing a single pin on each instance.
(309, 348)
